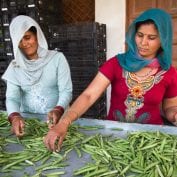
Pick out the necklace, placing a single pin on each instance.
(145, 75)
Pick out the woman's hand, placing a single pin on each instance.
(18, 125)
(54, 116)
(54, 138)
(171, 114)
(175, 119)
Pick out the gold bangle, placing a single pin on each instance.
(67, 121)
(71, 110)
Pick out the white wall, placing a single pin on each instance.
(112, 13)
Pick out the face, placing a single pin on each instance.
(29, 45)
(147, 41)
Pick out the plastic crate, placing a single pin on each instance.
(3, 66)
(2, 90)
(2, 93)
(2, 104)
(4, 5)
(75, 31)
(98, 110)
(78, 31)
(6, 33)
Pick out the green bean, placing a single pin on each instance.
(117, 129)
(96, 127)
(97, 172)
(125, 169)
(85, 169)
(79, 154)
(14, 163)
(159, 171)
(109, 173)
(54, 173)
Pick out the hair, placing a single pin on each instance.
(33, 30)
(149, 21)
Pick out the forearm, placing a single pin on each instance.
(13, 98)
(79, 107)
(12, 105)
(87, 98)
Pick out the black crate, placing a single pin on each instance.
(3, 66)
(78, 30)
(13, 4)
(98, 110)
(2, 104)
(5, 18)
(63, 36)
(6, 33)
(84, 45)
(8, 49)
(2, 47)
(44, 12)
(74, 46)
(2, 90)
(4, 5)
(2, 93)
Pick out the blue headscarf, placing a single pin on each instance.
(130, 60)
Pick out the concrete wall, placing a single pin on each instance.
(112, 13)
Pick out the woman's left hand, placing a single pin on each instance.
(53, 117)
(54, 138)
(175, 120)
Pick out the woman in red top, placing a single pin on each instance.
(142, 79)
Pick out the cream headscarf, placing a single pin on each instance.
(22, 71)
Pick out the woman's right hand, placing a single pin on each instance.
(55, 136)
(18, 125)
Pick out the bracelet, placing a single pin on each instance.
(67, 121)
(12, 116)
(71, 110)
(59, 108)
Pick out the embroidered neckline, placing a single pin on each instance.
(137, 90)
(146, 74)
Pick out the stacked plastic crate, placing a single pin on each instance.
(84, 45)
(5, 48)
(43, 11)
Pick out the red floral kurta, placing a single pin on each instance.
(135, 101)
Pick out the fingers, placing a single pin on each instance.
(22, 128)
(60, 142)
(52, 119)
(54, 138)
(175, 122)
(55, 118)
(18, 131)
(18, 127)
(51, 142)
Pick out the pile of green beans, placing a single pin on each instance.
(33, 152)
(4, 124)
(141, 154)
